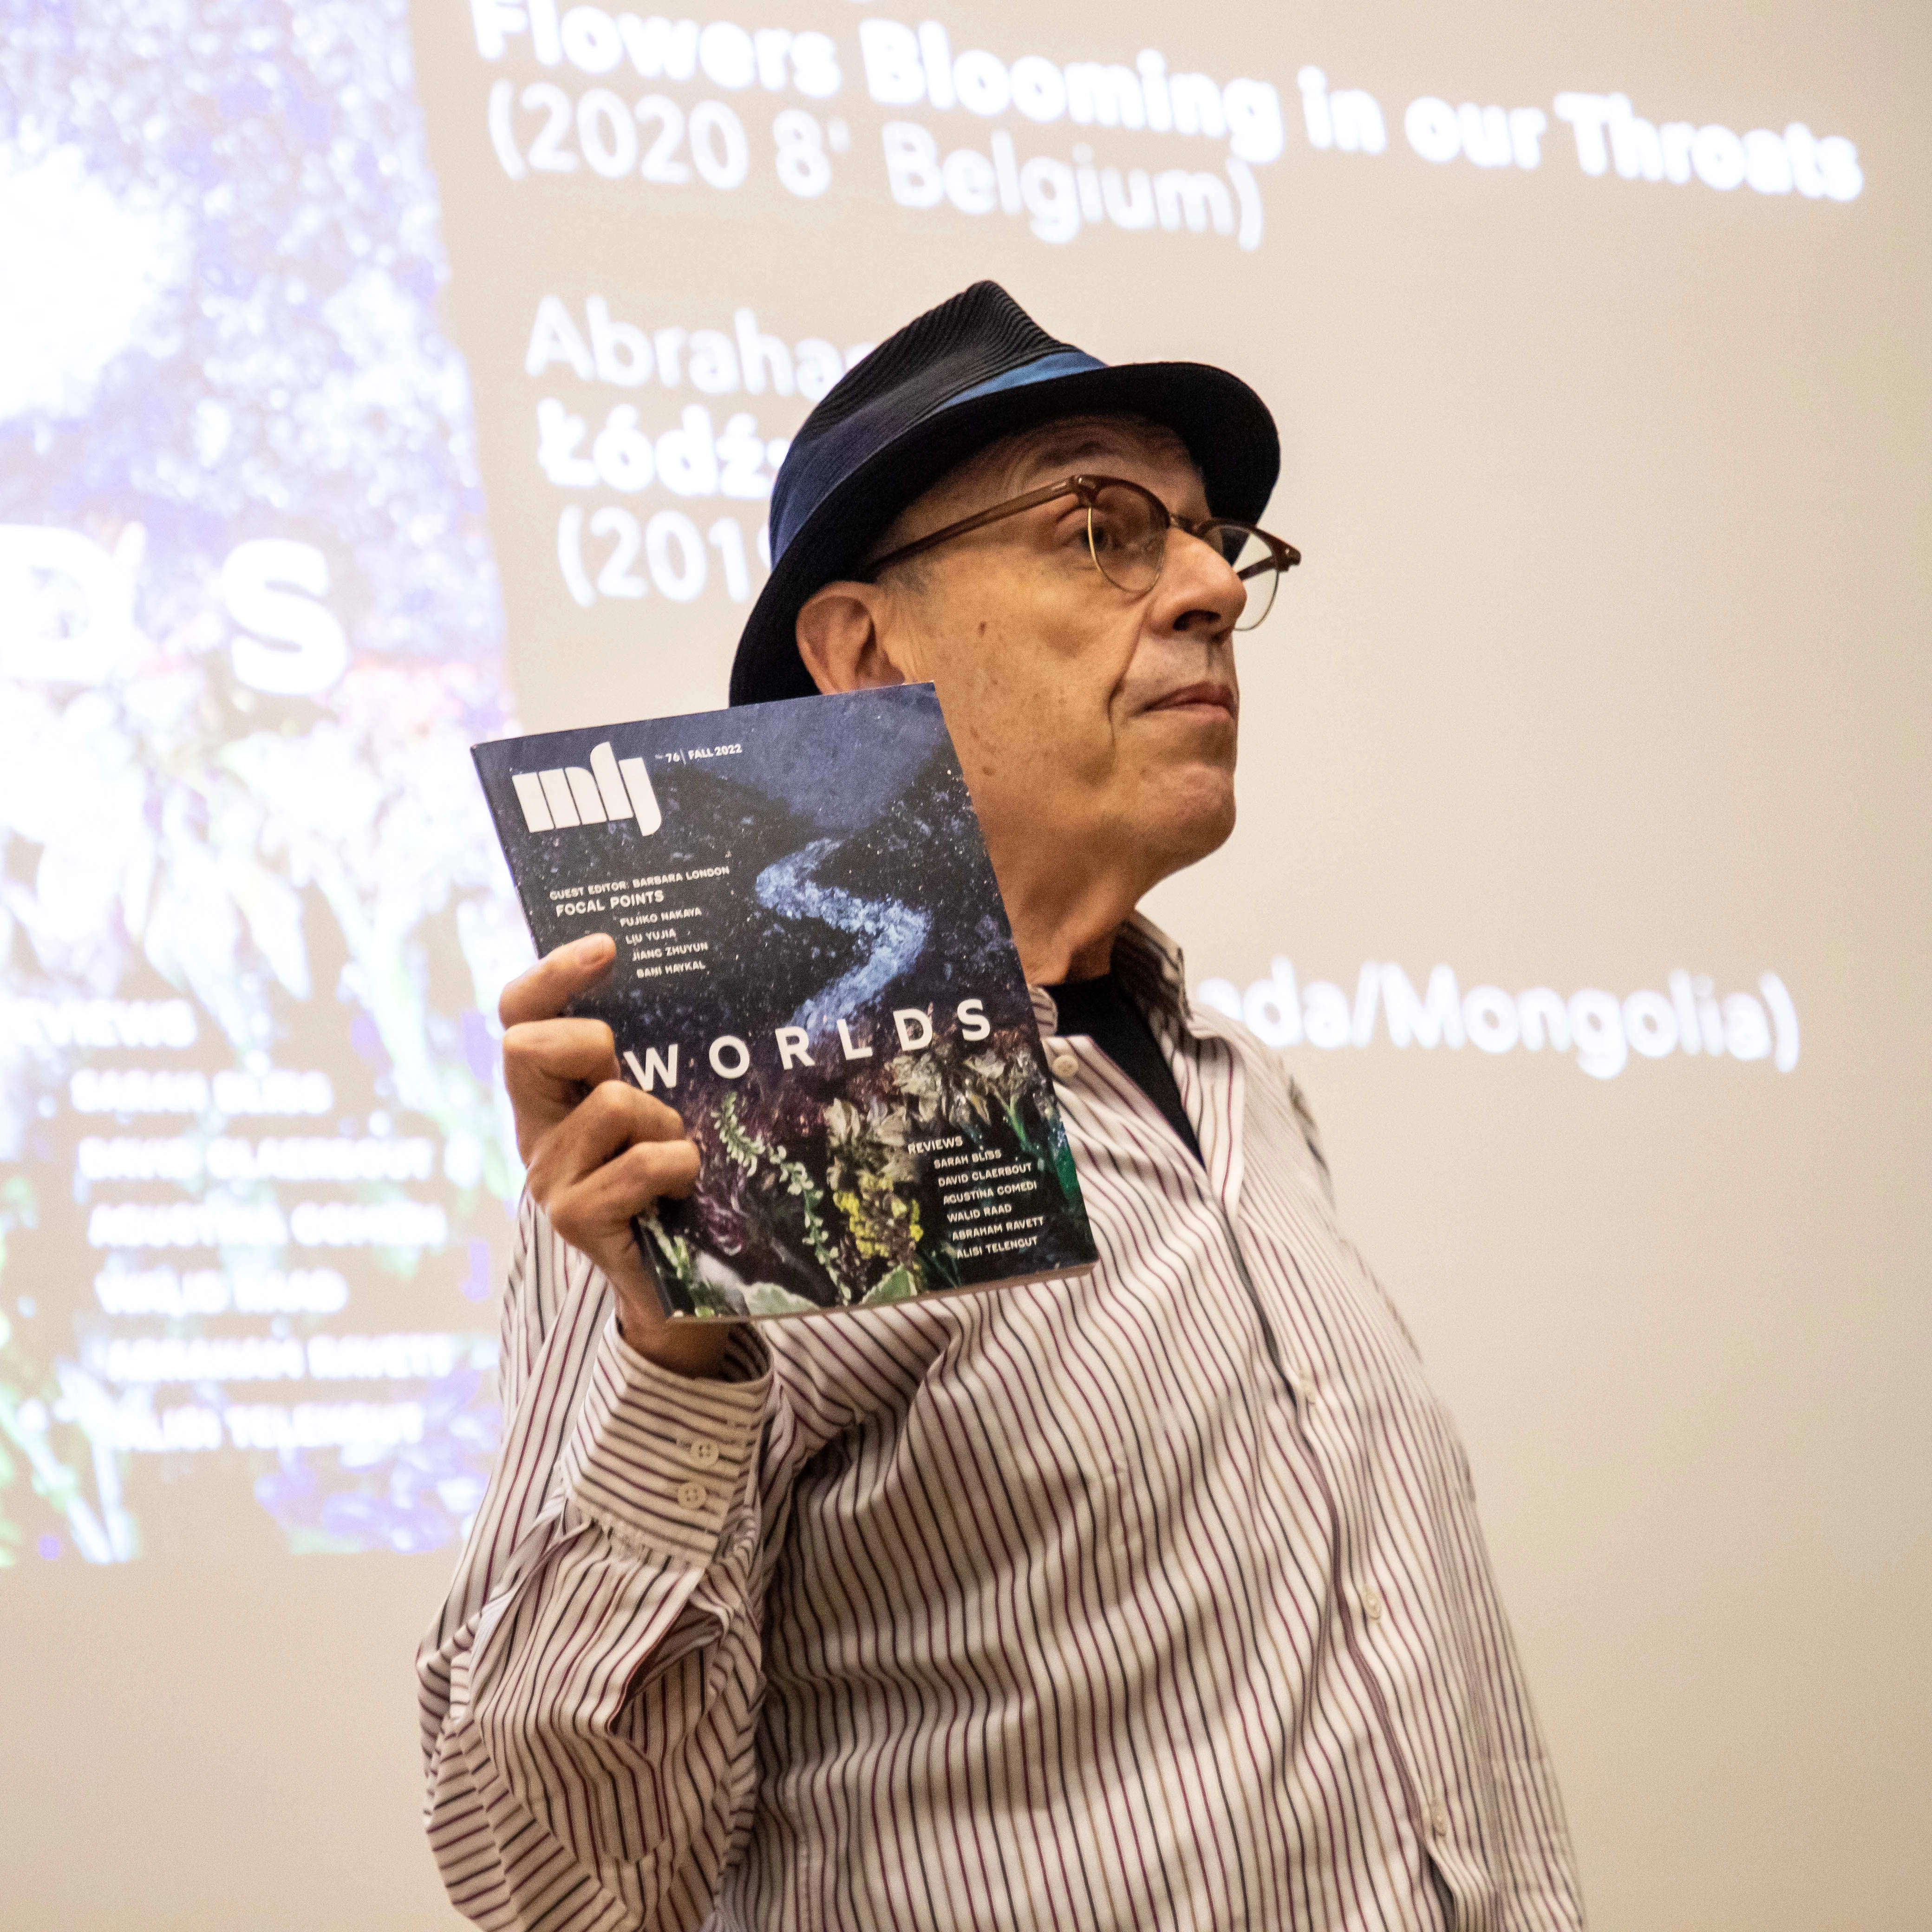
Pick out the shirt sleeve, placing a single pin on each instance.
(589, 1692)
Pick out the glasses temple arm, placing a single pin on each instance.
(1031, 502)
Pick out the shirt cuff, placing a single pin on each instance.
(660, 1459)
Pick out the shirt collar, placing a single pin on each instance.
(1149, 965)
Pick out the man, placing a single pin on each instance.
(1152, 1598)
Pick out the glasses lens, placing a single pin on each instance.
(1230, 539)
(1128, 532)
(1255, 562)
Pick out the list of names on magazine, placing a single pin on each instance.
(981, 1190)
(655, 920)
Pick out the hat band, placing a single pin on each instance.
(1048, 368)
(831, 461)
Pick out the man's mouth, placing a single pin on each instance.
(1198, 697)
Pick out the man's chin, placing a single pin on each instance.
(1187, 820)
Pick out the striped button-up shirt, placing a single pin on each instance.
(1152, 1598)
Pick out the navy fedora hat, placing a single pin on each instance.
(976, 368)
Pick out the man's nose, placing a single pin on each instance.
(1199, 589)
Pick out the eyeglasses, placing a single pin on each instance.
(1126, 534)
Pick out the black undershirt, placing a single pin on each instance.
(1100, 1010)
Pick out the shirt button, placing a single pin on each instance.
(703, 1453)
(690, 1495)
(1371, 1603)
(1438, 1820)
(1064, 1066)
(1305, 1383)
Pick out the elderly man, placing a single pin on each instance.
(1155, 1598)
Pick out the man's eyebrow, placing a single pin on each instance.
(1072, 450)
(1059, 452)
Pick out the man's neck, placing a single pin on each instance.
(1064, 927)
(1092, 961)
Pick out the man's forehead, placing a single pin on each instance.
(1040, 454)
(1070, 442)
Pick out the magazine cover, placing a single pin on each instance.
(814, 966)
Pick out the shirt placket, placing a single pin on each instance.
(1302, 1413)
(1367, 1619)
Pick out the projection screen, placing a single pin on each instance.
(375, 380)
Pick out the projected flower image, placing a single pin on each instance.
(252, 926)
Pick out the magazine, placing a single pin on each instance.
(814, 966)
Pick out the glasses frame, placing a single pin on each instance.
(1282, 556)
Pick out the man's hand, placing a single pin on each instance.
(597, 1151)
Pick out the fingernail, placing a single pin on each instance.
(591, 943)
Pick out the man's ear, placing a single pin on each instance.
(839, 637)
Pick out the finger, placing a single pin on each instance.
(635, 1180)
(556, 979)
(599, 1208)
(612, 1118)
(542, 1057)
(547, 1066)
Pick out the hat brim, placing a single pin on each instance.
(1226, 427)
